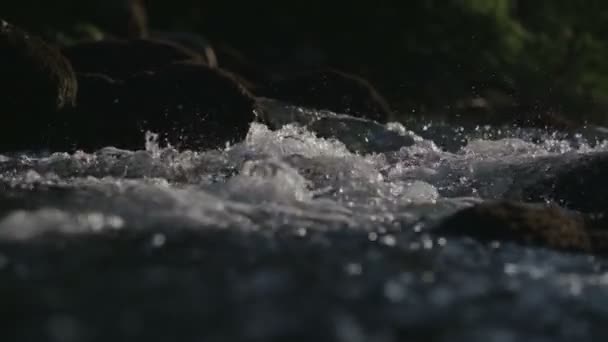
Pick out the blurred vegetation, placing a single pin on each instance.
(496, 58)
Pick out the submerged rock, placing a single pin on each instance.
(332, 90)
(121, 59)
(36, 83)
(536, 225)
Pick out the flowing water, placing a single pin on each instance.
(318, 230)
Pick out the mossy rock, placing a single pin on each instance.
(37, 82)
(526, 224)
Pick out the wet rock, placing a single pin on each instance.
(190, 105)
(121, 59)
(37, 83)
(191, 41)
(99, 115)
(357, 134)
(332, 90)
(578, 184)
(536, 225)
(232, 59)
(96, 89)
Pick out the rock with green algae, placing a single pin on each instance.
(527, 224)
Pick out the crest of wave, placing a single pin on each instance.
(275, 179)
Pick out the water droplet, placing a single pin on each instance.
(158, 240)
(354, 269)
(414, 246)
(372, 236)
(394, 291)
(495, 244)
(32, 177)
(348, 330)
(3, 261)
(63, 328)
(428, 277)
(510, 269)
(389, 240)
(301, 232)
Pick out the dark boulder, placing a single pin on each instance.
(578, 184)
(37, 82)
(189, 105)
(536, 225)
(98, 89)
(119, 18)
(121, 59)
(251, 74)
(99, 116)
(191, 41)
(328, 89)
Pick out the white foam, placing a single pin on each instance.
(274, 179)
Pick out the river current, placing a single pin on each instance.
(317, 229)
